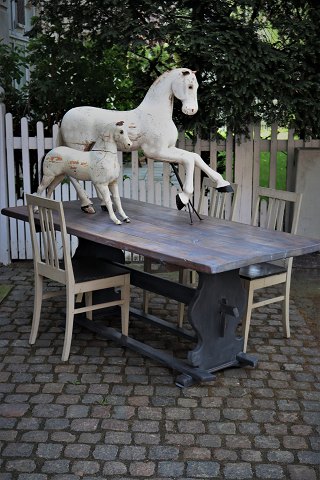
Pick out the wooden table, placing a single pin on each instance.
(216, 249)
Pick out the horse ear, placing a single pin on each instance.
(186, 72)
(119, 124)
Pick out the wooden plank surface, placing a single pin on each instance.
(209, 246)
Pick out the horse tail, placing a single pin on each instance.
(41, 165)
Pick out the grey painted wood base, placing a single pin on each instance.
(215, 310)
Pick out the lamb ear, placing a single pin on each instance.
(186, 72)
(119, 124)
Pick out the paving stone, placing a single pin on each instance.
(77, 450)
(142, 469)
(20, 466)
(203, 469)
(299, 472)
(272, 472)
(238, 471)
(109, 413)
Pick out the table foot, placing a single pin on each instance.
(245, 359)
(184, 380)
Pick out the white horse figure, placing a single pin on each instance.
(100, 165)
(150, 127)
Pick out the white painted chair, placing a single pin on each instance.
(274, 208)
(78, 276)
(215, 204)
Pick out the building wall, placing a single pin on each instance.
(15, 22)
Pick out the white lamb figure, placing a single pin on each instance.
(100, 165)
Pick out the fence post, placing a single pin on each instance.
(243, 176)
(4, 223)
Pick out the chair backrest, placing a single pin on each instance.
(219, 204)
(277, 209)
(51, 255)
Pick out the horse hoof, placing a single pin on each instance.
(127, 220)
(226, 188)
(88, 209)
(104, 208)
(179, 202)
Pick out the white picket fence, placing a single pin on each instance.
(152, 182)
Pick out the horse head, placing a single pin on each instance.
(113, 133)
(121, 137)
(184, 87)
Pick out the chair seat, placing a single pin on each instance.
(261, 270)
(93, 269)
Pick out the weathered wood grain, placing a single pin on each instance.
(210, 246)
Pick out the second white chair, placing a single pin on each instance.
(272, 211)
(214, 204)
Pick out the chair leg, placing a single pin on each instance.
(38, 292)
(183, 278)
(69, 324)
(88, 301)
(247, 316)
(285, 310)
(125, 297)
(147, 267)
(145, 301)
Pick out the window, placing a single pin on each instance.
(20, 12)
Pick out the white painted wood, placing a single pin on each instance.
(229, 157)
(166, 178)
(120, 181)
(150, 182)
(25, 234)
(142, 191)
(99, 165)
(274, 202)
(273, 156)
(256, 160)
(127, 188)
(4, 222)
(243, 177)
(135, 176)
(158, 193)
(197, 174)
(51, 268)
(12, 194)
(40, 147)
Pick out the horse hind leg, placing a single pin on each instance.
(114, 189)
(56, 181)
(46, 182)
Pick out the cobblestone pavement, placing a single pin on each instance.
(109, 413)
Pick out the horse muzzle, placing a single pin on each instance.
(189, 109)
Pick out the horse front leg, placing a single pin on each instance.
(114, 189)
(182, 157)
(222, 185)
(86, 204)
(103, 190)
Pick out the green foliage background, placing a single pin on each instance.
(255, 59)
